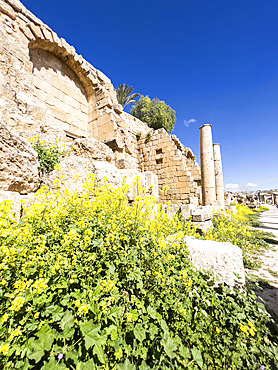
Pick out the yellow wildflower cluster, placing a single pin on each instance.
(183, 274)
(39, 286)
(107, 286)
(248, 329)
(17, 303)
(82, 310)
(129, 317)
(5, 318)
(16, 333)
(4, 349)
(105, 304)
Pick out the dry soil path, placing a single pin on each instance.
(269, 269)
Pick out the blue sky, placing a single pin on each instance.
(212, 61)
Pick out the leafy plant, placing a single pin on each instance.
(236, 228)
(148, 137)
(48, 155)
(156, 113)
(89, 281)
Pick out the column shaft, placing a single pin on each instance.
(207, 166)
(219, 188)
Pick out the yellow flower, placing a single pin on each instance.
(4, 348)
(40, 325)
(39, 286)
(82, 310)
(17, 303)
(17, 332)
(5, 317)
(77, 303)
(129, 317)
(36, 315)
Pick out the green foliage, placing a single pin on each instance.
(236, 228)
(91, 282)
(148, 137)
(48, 155)
(155, 113)
(124, 95)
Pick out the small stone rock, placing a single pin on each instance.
(91, 148)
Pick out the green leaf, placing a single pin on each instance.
(169, 346)
(67, 320)
(26, 365)
(152, 312)
(184, 352)
(88, 365)
(135, 274)
(164, 326)
(32, 326)
(139, 332)
(65, 300)
(144, 366)
(197, 356)
(112, 331)
(50, 364)
(115, 312)
(98, 350)
(39, 346)
(57, 314)
(127, 365)
(153, 330)
(67, 333)
(90, 332)
(73, 355)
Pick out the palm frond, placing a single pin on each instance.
(123, 92)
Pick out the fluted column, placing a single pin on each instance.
(219, 188)
(207, 166)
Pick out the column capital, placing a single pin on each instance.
(206, 124)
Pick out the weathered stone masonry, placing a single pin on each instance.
(46, 87)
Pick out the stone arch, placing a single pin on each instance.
(62, 87)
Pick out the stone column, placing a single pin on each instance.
(207, 166)
(219, 188)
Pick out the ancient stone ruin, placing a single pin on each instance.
(47, 89)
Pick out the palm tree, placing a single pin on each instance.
(123, 92)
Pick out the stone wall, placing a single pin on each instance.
(47, 88)
(165, 156)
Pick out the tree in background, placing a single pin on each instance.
(155, 113)
(124, 95)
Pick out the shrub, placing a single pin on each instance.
(236, 228)
(155, 113)
(92, 282)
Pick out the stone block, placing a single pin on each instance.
(202, 214)
(8, 10)
(36, 31)
(91, 148)
(223, 259)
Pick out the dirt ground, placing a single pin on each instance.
(268, 272)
